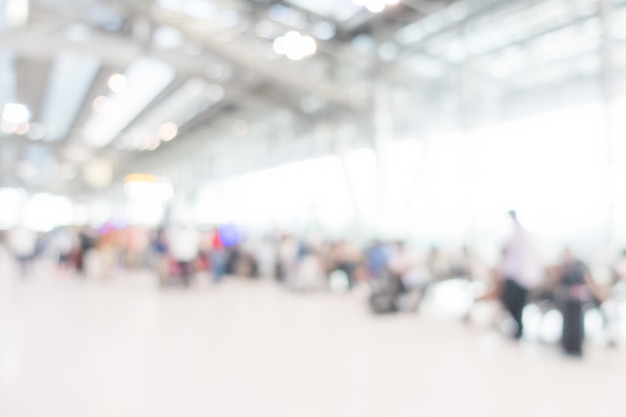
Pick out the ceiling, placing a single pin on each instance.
(185, 63)
(108, 82)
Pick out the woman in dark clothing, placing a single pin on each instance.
(575, 289)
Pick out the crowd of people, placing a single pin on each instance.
(399, 276)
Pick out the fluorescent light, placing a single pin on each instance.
(70, 80)
(146, 78)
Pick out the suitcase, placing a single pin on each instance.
(385, 295)
(383, 303)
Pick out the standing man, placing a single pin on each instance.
(520, 271)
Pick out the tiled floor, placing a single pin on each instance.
(70, 348)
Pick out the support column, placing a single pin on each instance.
(466, 119)
(608, 92)
(384, 135)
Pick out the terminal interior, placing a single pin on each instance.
(312, 207)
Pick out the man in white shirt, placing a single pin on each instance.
(520, 271)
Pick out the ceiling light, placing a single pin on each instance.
(167, 131)
(295, 46)
(375, 6)
(98, 173)
(153, 143)
(16, 12)
(101, 103)
(15, 113)
(22, 128)
(117, 83)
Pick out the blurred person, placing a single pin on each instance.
(287, 254)
(438, 267)
(266, 255)
(377, 260)
(158, 244)
(86, 242)
(218, 256)
(520, 272)
(346, 257)
(398, 263)
(241, 262)
(184, 247)
(22, 242)
(407, 282)
(576, 288)
(204, 256)
(310, 273)
(137, 243)
(106, 247)
(62, 243)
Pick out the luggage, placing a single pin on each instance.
(572, 295)
(386, 294)
(383, 303)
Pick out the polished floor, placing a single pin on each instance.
(125, 348)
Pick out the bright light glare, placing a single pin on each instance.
(295, 46)
(17, 12)
(146, 213)
(375, 6)
(308, 192)
(15, 113)
(13, 201)
(160, 190)
(44, 212)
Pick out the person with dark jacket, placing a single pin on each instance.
(576, 288)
